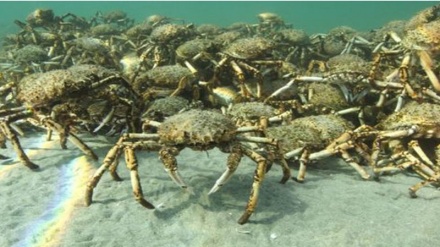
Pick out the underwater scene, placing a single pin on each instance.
(219, 123)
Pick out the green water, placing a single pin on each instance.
(312, 16)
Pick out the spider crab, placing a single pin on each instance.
(199, 130)
(409, 135)
(419, 45)
(60, 99)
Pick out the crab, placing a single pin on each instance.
(86, 50)
(59, 99)
(313, 138)
(41, 17)
(162, 108)
(299, 46)
(420, 45)
(352, 74)
(31, 58)
(163, 41)
(138, 33)
(199, 54)
(405, 133)
(343, 40)
(320, 98)
(199, 130)
(268, 23)
(167, 80)
(104, 29)
(256, 114)
(242, 54)
(157, 20)
(270, 20)
(208, 30)
(116, 17)
(46, 19)
(227, 37)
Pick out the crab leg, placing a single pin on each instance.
(131, 161)
(303, 160)
(413, 189)
(6, 130)
(414, 144)
(106, 120)
(240, 75)
(71, 137)
(168, 157)
(258, 178)
(108, 160)
(426, 63)
(233, 161)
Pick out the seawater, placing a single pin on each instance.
(311, 16)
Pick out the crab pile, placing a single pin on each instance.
(265, 90)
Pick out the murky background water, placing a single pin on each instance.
(313, 16)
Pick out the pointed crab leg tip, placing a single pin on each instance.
(88, 197)
(244, 218)
(32, 166)
(146, 204)
(214, 189)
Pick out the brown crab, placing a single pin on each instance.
(162, 42)
(353, 75)
(405, 132)
(58, 99)
(420, 45)
(256, 113)
(245, 53)
(86, 50)
(199, 54)
(313, 138)
(116, 17)
(343, 40)
(166, 80)
(299, 49)
(268, 22)
(196, 129)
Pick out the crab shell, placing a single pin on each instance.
(251, 110)
(425, 115)
(424, 37)
(326, 95)
(166, 107)
(55, 85)
(40, 17)
(166, 76)
(168, 33)
(295, 36)
(191, 48)
(198, 128)
(422, 17)
(313, 131)
(250, 48)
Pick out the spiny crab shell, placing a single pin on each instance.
(250, 48)
(166, 76)
(425, 37)
(413, 113)
(199, 128)
(251, 110)
(423, 30)
(348, 63)
(54, 85)
(313, 131)
(326, 95)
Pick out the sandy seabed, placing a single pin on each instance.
(334, 207)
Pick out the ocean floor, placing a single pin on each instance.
(334, 207)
